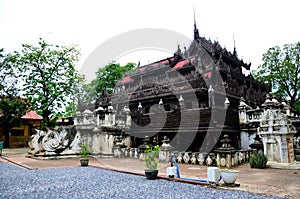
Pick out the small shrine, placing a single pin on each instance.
(275, 129)
(257, 144)
(226, 153)
(277, 133)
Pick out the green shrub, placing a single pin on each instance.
(258, 160)
(151, 158)
(85, 150)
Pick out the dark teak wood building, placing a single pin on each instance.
(191, 97)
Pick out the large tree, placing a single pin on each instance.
(48, 72)
(106, 80)
(110, 75)
(12, 106)
(281, 68)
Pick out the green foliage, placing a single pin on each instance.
(108, 77)
(12, 106)
(72, 105)
(258, 160)
(8, 75)
(85, 93)
(70, 110)
(49, 74)
(151, 157)
(281, 68)
(89, 92)
(85, 150)
(106, 80)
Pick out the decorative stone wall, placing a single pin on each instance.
(274, 124)
(102, 129)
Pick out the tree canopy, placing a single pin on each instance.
(106, 80)
(108, 76)
(48, 73)
(281, 68)
(12, 106)
(9, 75)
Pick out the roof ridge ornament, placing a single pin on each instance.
(234, 48)
(196, 31)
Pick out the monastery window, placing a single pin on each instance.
(147, 109)
(167, 107)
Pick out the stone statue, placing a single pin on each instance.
(186, 158)
(201, 159)
(54, 142)
(209, 161)
(179, 158)
(193, 159)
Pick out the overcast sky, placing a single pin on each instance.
(256, 25)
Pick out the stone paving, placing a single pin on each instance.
(270, 182)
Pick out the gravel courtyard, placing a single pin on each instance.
(90, 182)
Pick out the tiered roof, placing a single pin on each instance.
(213, 48)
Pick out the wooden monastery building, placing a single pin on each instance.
(191, 97)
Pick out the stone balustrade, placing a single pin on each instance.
(193, 158)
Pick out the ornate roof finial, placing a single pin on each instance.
(234, 49)
(194, 16)
(178, 49)
(196, 32)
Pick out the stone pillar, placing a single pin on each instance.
(106, 120)
(96, 140)
(165, 150)
(128, 117)
(246, 116)
(211, 96)
(142, 147)
(99, 112)
(116, 151)
(118, 146)
(106, 144)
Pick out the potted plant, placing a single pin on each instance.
(229, 176)
(151, 159)
(84, 153)
(258, 160)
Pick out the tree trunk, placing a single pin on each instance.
(292, 102)
(46, 119)
(6, 129)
